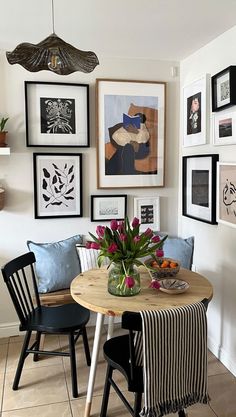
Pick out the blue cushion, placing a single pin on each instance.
(57, 263)
(180, 249)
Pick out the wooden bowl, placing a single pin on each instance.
(159, 272)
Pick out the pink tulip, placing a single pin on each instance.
(135, 222)
(137, 239)
(114, 225)
(148, 232)
(95, 245)
(129, 281)
(123, 237)
(159, 253)
(155, 284)
(156, 239)
(121, 226)
(88, 245)
(100, 230)
(112, 248)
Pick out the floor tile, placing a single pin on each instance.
(50, 410)
(215, 367)
(1, 390)
(45, 385)
(222, 390)
(198, 410)
(4, 340)
(3, 357)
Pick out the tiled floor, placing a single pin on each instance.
(45, 386)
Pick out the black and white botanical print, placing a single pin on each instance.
(147, 214)
(57, 115)
(57, 185)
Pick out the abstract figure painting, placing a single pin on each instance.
(226, 196)
(195, 103)
(57, 114)
(58, 185)
(131, 133)
(199, 187)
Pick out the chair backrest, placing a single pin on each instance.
(21, 282)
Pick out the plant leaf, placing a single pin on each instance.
(45, 197)
(71, 169)
(55, 166)
(54, 180)
(46, 173)
(70, 190)
(72, 177)
(45, 184)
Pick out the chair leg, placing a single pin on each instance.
(137, 403)
(36, 355)
(73, 365)
(21, 361)
(86, 346)
(106, 391)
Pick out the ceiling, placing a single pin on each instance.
(151, 29)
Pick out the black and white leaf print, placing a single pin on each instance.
(56, 190)
(68, 197)
(45, 184)
(71, 169)
(45, 197)
(72, 177)
(55, 166)
(46, 173)
(58, 173)
(70, 190)
(54, 180)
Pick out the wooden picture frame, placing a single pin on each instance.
(226, 193)
(223, 86)
(57, 185)
(57, 114)
(199, 187)
(108, 207)
(147, 210)
(130, 133)
(195, 112)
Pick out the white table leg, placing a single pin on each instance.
(93, 367)
(110, 327)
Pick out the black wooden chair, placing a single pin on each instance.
(119, 352)
(69, 319)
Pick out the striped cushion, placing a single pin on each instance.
(88, 258)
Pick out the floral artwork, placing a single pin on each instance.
(57, 185)
(57, 115)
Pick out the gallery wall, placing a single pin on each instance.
(17, 222)
(214, 244)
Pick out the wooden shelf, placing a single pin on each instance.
(5, 150)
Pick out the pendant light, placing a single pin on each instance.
(53, 54)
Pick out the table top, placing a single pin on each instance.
(90, 290)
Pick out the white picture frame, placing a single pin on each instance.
(226, 193)
(147, 210)
(195, 112)
(224, 128)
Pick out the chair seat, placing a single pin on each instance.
(112, 352)
(65, 318)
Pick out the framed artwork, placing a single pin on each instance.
(108, 207)
(226, 193)
(130, 133)
(57, 185)
(224, 128)
(147, 210)
(57, 114)
(195, 107)
(199, 187)
(224, 89)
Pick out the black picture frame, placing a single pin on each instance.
(57, 114)
(57, 185)
(199, 187)
(224, 88)
(108, 207)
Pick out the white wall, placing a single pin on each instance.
(17, 223)
(214, 254)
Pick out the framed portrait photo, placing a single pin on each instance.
(195, 108)
(108, 207)
(224, 89)
(224, 128)
(57, 114)
(226, 193)
(130, 133)
(57, 185)
(199, 187)
(147, 210)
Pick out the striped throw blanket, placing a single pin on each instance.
(174, 359)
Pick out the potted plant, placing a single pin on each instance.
(3, 132)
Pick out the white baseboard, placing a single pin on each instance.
(9, 329)
(228, 361)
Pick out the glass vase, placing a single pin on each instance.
(123, 280)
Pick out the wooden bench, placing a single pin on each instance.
(56, 298)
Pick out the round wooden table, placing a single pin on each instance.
(90, 290)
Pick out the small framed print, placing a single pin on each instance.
(224, 89)
(108, 207)
(226, 193)
(224, 128)
(147, 210)
(195, 109)
(57, 114)
(57, 185)
(199, 187)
